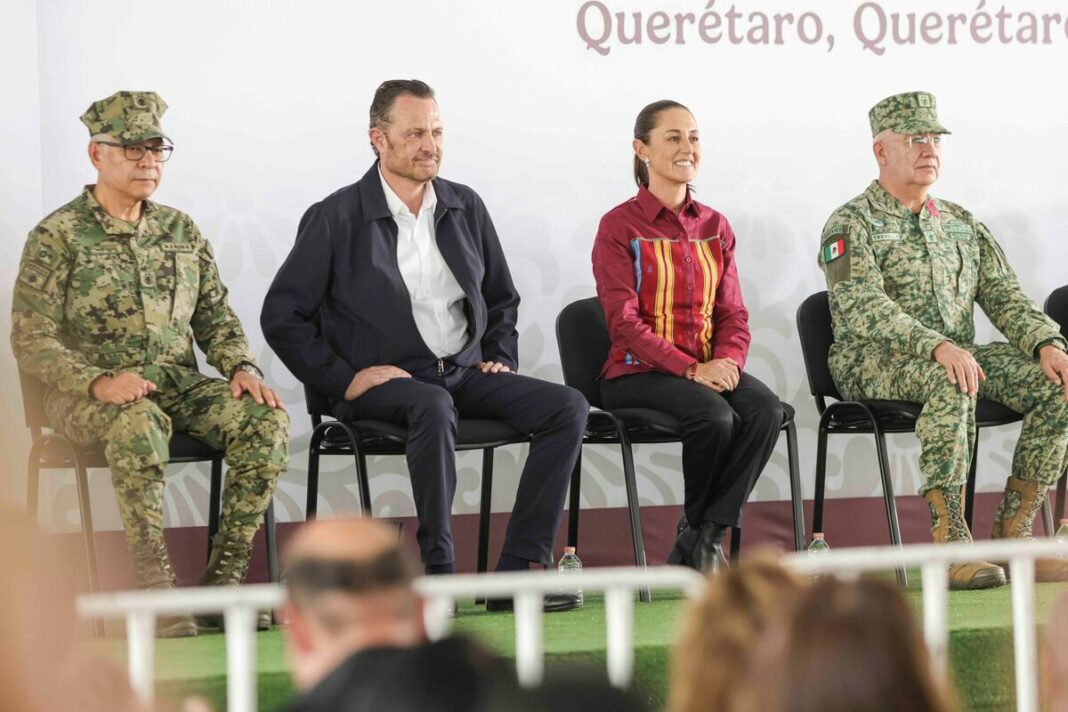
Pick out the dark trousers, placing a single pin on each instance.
(429, 406)
(727, 438)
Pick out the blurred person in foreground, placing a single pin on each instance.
(1055, 658)
(843, 647)
(356, 639)
(722, 628)
(41, 667)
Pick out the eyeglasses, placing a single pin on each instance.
(936, 140)
(161, 153)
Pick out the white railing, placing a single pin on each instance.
(140, 609)
(528, 587)
(239, 606)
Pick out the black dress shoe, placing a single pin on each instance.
(683, 553)
(708, 554)
(554, 603)
(681, 525)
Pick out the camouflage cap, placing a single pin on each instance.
(126, 116)
(910, 113)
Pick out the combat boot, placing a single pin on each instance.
(948, 525)
(153, 570)
(228, 566)
(1015, 519)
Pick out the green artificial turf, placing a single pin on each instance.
(981, 654)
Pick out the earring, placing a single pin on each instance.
(646, 162)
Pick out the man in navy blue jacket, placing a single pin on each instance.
(418, 312)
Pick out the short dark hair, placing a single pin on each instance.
(643, 126)
(309, 577)
(386, 95)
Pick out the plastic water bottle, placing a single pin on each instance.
(1062, 537)
(571, 563)
(819, 544)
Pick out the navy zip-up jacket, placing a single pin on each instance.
(343, 270)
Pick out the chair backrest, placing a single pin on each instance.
(814, 328)
(582, 337)
(33, 393)
(1057, 308)
(318, 405)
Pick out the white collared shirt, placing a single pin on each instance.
(437, 298)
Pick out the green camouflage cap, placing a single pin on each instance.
(127, 117)
(910, 113)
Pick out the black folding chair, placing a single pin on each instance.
(361, 438)
(53, 451)
(869, 416)
(582, 337)
(1057, 308)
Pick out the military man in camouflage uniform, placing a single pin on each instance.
(904, 271)
(110, 288)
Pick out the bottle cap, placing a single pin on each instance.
(817, 536)
(571, 549)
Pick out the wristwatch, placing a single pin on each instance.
(247, 368)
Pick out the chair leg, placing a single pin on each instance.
(312, 502)
(574, 504)
(269, 540)
(214, 501)
(797, 496)
(485, 502)
(81, 480)
(888, 497)
(362, 478)
(33, 482)
(969, 491)
(1060, 496)
(821, 475)
(736, 543)
(633, 508)
(1047, 518)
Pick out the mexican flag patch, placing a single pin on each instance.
(833, 250)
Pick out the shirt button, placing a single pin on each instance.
(689, 287)
(689, 259)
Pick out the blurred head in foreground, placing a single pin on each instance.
(350, 588)
(721, 630)
(1055, 657)
(356, 634)
(844, 647)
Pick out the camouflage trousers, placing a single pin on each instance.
(946, 427)
(136, 437)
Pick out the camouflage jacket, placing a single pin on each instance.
(908, 282)
(96, 295)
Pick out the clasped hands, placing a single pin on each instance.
(719, 374)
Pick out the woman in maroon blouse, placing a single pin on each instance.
(668, 283)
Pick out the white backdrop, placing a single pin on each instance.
(269, 109)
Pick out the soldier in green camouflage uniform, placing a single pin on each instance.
(109, 290)
(904, 271)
